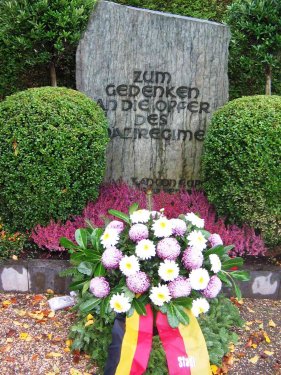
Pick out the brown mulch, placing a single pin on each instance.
(33, 340)
(258, 351)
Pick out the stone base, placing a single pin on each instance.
(36, 276)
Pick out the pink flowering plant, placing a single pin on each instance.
(145, 258)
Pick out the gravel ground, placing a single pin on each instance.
(33, 340)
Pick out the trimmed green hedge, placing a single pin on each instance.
(241, 165)
(52, 147)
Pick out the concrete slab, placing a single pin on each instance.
(14, 277)
(44, 275)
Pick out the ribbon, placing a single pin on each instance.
(185, 346)
(131, 344)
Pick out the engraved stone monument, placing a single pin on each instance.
(159, 77)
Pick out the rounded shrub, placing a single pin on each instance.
(241, 164)
(52, 147)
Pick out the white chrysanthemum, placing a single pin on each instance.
(196, 240)
(109, 238)
(145, 249)
(195, 220)
(119, 303)
(129, 265)
(160, 294)
(215, 263)
(199, 306)
(162, 227)
(199, 279)
(168, 270)
(140, 216)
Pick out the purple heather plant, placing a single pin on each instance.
(121, 196)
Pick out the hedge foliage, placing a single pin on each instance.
(52, 147)
(241, 164)
(207, 9)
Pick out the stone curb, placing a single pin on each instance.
(36, 276)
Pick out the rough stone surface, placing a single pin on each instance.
(37, 276)
(45, 275)
(14, 277)
(178, 65)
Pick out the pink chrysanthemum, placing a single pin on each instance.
(99, 286)
(215, 239)
(138, 283)
(180, 287)
(192, 259)
(138, 232)
(117, 225)
(168, 248)
(111, 258)
(213, 288)
(178, 227)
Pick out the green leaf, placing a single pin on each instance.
(85, 287)
(100, 270)
(181, 315)
(95, 239)
(104, 306)
(228, 248)
(232, 263)
(139, 306)
(223, 277)
(67, 244)
(237, 291)
(81, 236)
(133, 208)
(86, 268)
(183, 301)
(241, 275)
(120, 215)
(77, 285)
(89, 304)
(164, 308)
(172, 317)
(219, 250)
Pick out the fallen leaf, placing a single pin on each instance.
(34, 357)
(249, 323)
(261, 326)
(16, 323)
(231, 348)
(11, 333)
(53, 355)
(66, 350)
(254, 360)
(10, 339)
(14, 257)
(25, 336)
(89, 322)
(49, 291)
(271, 323)
(254, 346)
(73, 371)
(89, 317)
(6, 303)
(267, 339)
(20, 312)
(68, 342)
(250, 310)
(267, 352)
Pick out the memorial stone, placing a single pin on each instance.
(159, 77)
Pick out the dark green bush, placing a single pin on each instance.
(241, 165)
(52, 147)
(208, 9)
